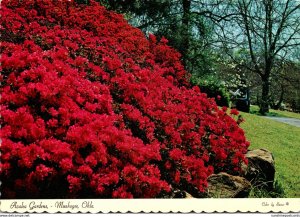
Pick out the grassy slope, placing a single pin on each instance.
(284, 142)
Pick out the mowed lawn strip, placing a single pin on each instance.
(283, 141)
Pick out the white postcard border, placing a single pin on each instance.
(264, 205)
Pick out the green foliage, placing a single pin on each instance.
(213, 88)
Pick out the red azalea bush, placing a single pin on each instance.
(92, 108)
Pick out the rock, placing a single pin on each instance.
(188, 196)
(261, 168)
(223, 185)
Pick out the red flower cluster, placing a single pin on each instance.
(91, 108)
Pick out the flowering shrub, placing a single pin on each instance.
(92, 108)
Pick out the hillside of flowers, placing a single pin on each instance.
(92, 108)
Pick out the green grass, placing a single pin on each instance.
(283, 141)
(276, 113)
(277, 192)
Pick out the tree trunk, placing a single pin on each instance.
(264, 104)
(277, 105)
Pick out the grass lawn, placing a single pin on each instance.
(276, 113)
(283, 141)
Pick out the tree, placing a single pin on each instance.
(286, 87)
(265, 31)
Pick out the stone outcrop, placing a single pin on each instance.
(261, 168)
(223, 185)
